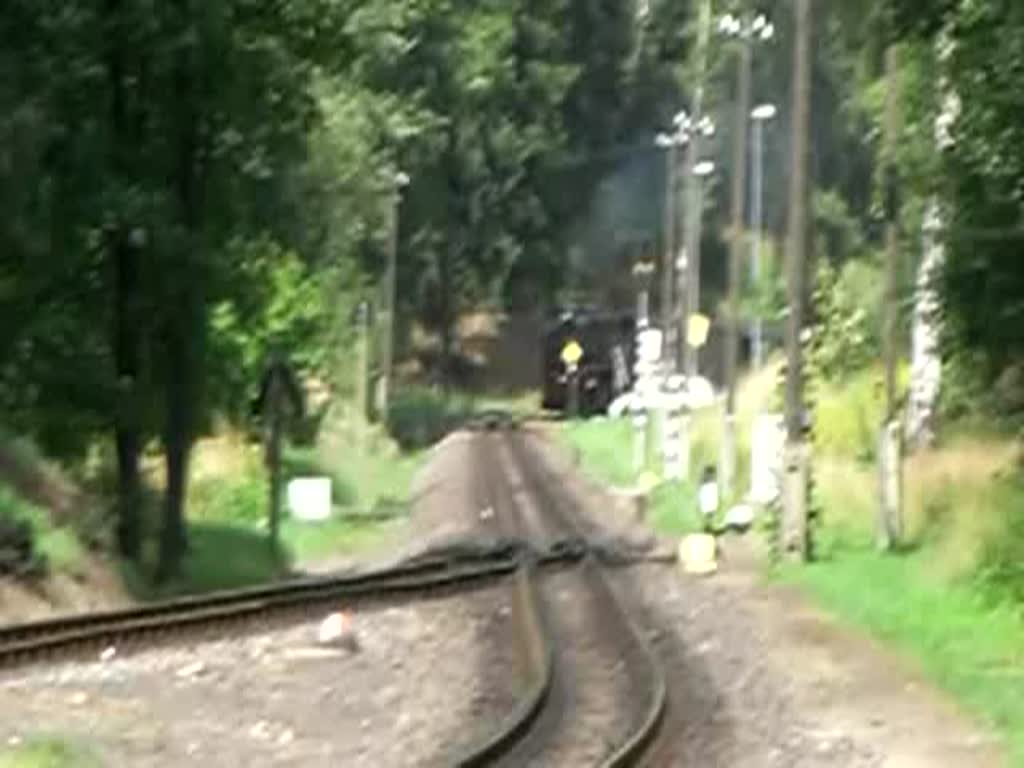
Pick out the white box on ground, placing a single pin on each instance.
(309, 498)
(766, 446)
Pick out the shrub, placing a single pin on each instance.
(421, 417)
(237, 500)
(19, 551)
(1003, 559)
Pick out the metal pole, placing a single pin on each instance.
(758, 223)
(669, 255)
(691, 295)
(739, 199)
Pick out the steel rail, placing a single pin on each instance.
(534, 633)
(68, 636)
(637, 746)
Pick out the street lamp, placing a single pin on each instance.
(398, 183)
(760, 115)
(747, 31)
(684, 128)
(759, 28)
(704, 168)
(685, 131)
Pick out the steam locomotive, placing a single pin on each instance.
(606, 368)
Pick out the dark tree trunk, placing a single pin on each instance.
(124, 261)
(127, 433)
(274, 466)
(449, 254)
(446, 310)
(177, 445)
(184, 328)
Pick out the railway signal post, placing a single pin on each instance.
(280, 398)
(571, 355)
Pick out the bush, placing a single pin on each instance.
(848, 415)
(849, 305)
(421, 417)
(1003, 558)
(237, 500)
(19, 554)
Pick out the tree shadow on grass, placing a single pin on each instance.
(219, 557)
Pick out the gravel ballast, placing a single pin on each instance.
(426, 679)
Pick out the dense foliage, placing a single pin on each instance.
(186, 186)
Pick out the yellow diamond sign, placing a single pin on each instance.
(697, 330)
(572, 352)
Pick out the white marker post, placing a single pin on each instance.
(672, 445)
(648, 358)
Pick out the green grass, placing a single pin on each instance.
(954, 601)
(965, 639)
(228, 498)
(220, 556)
(674, 510)
(47, 753)
(605, 450)
(344, 535)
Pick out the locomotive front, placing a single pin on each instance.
(605, 368)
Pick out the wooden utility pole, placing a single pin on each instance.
(739, 197)
(797, 455)
(391, 297)
(362, 374)
(387, 345)
(890, 528)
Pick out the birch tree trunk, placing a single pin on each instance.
(926, 331)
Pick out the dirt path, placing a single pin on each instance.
(759, 677)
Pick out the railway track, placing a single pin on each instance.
(596, 694)
(593, 693)
(83, 636)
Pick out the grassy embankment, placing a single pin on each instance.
(953, 600)
(27, 483)
(371, 471)
(227, 510)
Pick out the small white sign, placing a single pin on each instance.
(648, 343)
(708, 498)
(309, 498)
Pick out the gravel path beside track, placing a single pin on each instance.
(418, 688)
(759, 678)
